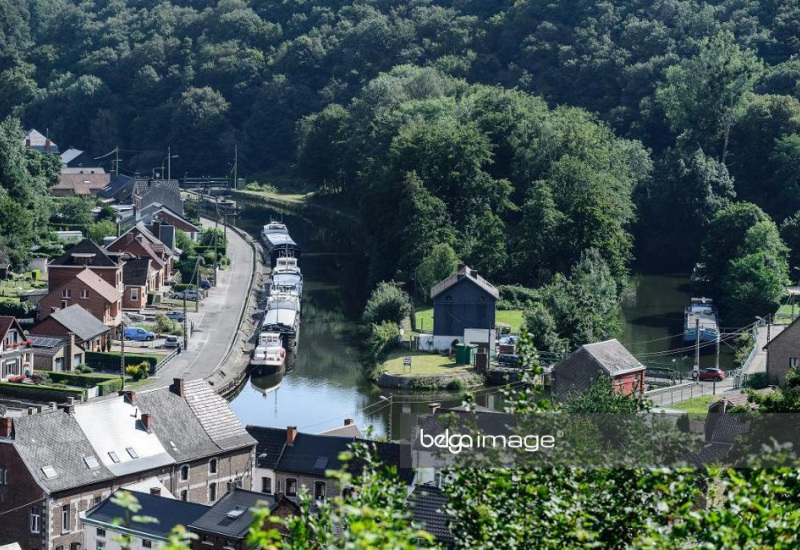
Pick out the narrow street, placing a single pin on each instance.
(217, 322)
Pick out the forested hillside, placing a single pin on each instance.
(522, 133)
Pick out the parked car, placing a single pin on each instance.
(205, 284)
(508, 360)
(191, 295)
(136, 317)
(139, 334)
(711, 374)
(171, 342)
(175, 316)
(512, 339)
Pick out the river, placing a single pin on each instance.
(326, 384)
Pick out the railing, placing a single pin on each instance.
(158, 366)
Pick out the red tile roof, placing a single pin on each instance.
(82, 184)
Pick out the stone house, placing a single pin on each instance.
(60, 463)
(82, 255)
(783, 353)
(91, 292)
(90, 333)
(16, 351)
(290, 462)
(579, 371)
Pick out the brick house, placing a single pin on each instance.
(290, 462)
(82, 255)
(60, 463)
(138, 277)
(139, 242)
(16, 351)
(56, 354)
(90, 333)
(158, 213)
(578, 372)
(91, 292)
(783, 353)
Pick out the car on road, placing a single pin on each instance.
(508, 360)
(191, 295)
(172, 342)
(711, 374)
(175, 316)
(139, 334)
(205, 284)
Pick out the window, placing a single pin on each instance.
(49, 472)
(97, 499)
(212, 466)
(184, 495)
(65, 517)
(35, 517)
(101, 545)
(291, 487)
(84, 294)
(147, 543)
(319, 490)
(792, 362)
(132, 452)
(101, 532)
(53, 309)
(113, 456)
(134, 293)
(3, 476)
(212, 492)
(77, 359)
(185, 472)
(448, 298)
(59, 548)
(266, 485)
(208, 540)
(66, 293)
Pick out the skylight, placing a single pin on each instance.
(235, 513)
(113, 456)
(49, 472)
(321, 463)
(91, 462)
(132, 452)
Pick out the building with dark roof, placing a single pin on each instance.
(585, 365)
(225, 525)
(427, 502)
(158, 213)
(90, 333)
(462, 302)
(16, 353)
(165, 192)
(75, 158)
(64, 462)
(102, 521)
(139, 242)
(80, 256)
(119, 189)
(139, 278)
(290, 462)
(783, 352)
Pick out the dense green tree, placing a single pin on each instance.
(99, 230)
(436, 266)
(387, 303)
(73, 210)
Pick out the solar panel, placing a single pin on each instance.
(45, 341)
(321, 463)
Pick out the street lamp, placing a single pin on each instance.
(388, 400)
(168, 162)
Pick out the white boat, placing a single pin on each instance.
(269, 352)
(278, 242)
(283, 316)
(286, 277)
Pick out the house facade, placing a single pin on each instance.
(465, 301)
(16, 351)
(90, 333)
(91, 292)
(138, 277)
(783, 353)
(56, 354)
(585, 365)
(185, 437)
(82, 255)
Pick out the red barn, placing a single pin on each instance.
(591, 361)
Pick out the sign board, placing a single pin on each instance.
(407, 361)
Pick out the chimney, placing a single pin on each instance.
(147, 422)
(473, 273)
(278, 497)
(156, 228)
(70, 352)
(6, 425)
(47, 144)
(178, 387)
(155, 491)
(433, 408)
(53, 405)
(129, 395)
(348, 421)
(27, 142)
(291, 434)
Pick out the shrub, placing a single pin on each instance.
(517, 297)
(377, 341)
(109, 362)
(137, 372)
(387, 304)
(456, 384)
(110, 386)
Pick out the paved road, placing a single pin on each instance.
(218, 320)
(759, 362)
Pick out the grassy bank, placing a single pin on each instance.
(422, 364)
(696, 407)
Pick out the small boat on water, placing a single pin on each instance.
(277, 242)
(283, 316)
(700, 313)
(269, 353)
(286, 277)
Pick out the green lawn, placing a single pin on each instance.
(421, 363)
(784, 313)
(511, 317)
(697, 407)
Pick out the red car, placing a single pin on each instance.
(711, 374)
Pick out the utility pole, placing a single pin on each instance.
(216, 235)
(197, 288)
(236, 166)
(122, 353)
(697, 345)
(169, 163)
(716, 362)
(116, 161)
(185, 324)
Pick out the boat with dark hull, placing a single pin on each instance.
(702, 314)
(283, 317)
(278, 243)
(287, 277)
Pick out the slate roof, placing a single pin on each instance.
(76, 319)
(86, 246)
(168, 511)
(216, 520)
(38, 142)
(216, 416)
(464, 272)
(611, 356)
(489, 423)
(153, 245)
(97, 284)
(120, 188)
(164, 214)
(136, 272)
(165, 192)
(269, 444)
(70, 154)
(427, 503)
(81, 183)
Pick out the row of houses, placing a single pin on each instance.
(183, 453)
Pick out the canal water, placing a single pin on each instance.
(326, 385)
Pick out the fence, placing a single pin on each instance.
(158, 366)
(665, 397)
